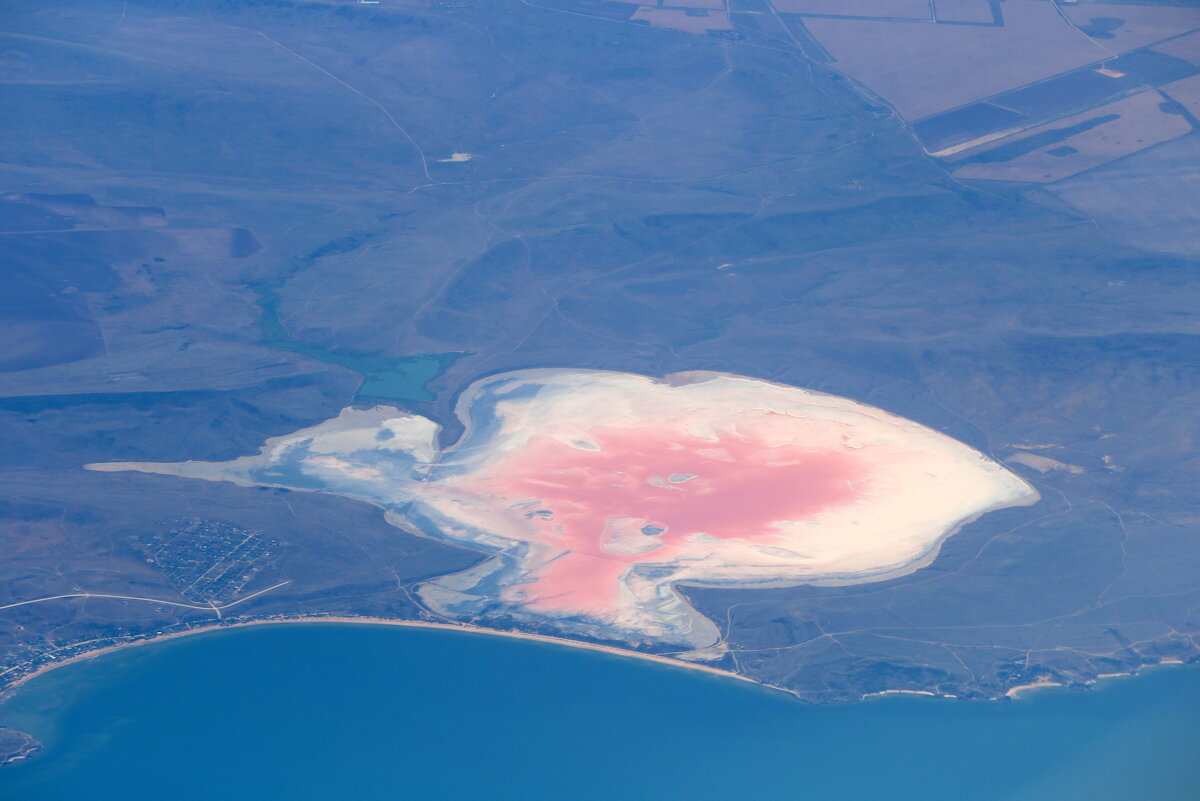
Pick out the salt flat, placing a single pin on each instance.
(602, 490)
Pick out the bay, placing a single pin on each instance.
(340, 711)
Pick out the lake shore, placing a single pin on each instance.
(377, 621)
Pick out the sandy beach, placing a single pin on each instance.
(1020, 689)
(375, 621)
(1014, 692)
(882, 693)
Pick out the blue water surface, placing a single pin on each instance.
(361, 713)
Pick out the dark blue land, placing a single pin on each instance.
(319, 712)
(209, 241)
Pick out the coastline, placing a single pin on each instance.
(884, 693)
(1021, 689)
(379, 621)
(1014, 692)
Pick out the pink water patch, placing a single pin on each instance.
(586, 499)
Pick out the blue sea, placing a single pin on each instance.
(370, 713)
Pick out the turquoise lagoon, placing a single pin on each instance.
(384, 378)
(365, 713)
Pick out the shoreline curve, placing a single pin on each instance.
(12, 688)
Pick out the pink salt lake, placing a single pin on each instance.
(601, 491)
(736, 487)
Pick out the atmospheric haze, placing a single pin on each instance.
(599, 492)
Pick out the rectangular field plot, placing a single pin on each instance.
(1186, 93)
(1079, 88)
(686, 20)
(1072, 145)
(1185, 47)
(869, 9)
(924, 69)
(977, 11)
(715, 5)
(965, 123)
(1151, 198)
(1122, 28)
(1152, 68)
(604, 9)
